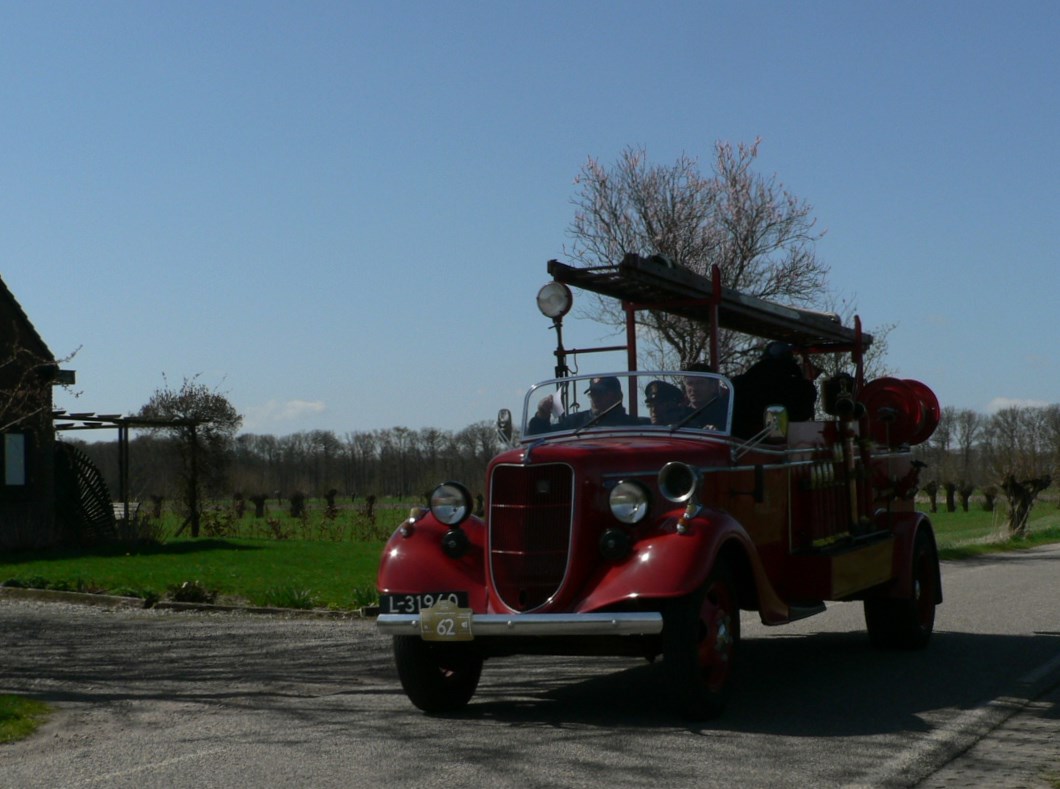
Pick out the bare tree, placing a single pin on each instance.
(363, 448)
(1051, 427)
(27, 372)
(1019, 452)
(874, 360)
(967, 429)
(935, 452)
(760, 235)
(431, 442)
(203, 422)
(325, 448)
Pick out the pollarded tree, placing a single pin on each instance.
(760, 235)
(1018, 450)
(203, 423)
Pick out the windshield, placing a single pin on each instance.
(644, 400)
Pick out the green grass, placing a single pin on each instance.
(256, 571)
(332, 562)
(976, 532)
(318, 560)
(20, 717)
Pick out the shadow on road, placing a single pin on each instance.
(800, 685)
(822, 684)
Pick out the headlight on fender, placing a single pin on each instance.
(451, 503)
(629, 502)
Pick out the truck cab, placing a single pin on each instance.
(643, 512)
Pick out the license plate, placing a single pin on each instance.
(414, 603)
(445, 621)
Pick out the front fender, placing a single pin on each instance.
(906, 528)
(413, 561)
(666, 563)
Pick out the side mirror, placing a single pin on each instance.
(504, 426)
(775, 423)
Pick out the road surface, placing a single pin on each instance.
(161, 698)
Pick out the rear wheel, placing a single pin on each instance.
(437, 678)
(908, 624)
(700, 635)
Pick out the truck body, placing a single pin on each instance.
(639, 512)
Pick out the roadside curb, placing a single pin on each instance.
(114, 601)
(77, 598)
(1020, 748)
(309, 613)
(976, 727)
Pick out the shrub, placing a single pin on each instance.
(365, 595)
(33, 582)
(191, 592)
(217, 522)
(289, 597)
(140, 529)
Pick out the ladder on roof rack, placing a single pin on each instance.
(651, 283)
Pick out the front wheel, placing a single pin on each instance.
(908, 623)
(700, 635)
(437, 678)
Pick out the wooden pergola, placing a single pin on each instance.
(88, 420)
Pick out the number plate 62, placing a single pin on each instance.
(445, 621)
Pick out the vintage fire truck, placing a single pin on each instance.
(638, 512)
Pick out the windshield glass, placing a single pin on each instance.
(644, 400)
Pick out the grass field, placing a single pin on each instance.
(962, 534)
(278, 560)
(289, 573)
(331, 562)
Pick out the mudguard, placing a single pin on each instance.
(906, 527)
(666, 563)
(416, 563)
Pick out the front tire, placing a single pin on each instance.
(437, 678)
(700, 635)
(908, 623)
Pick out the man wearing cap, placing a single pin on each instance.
(665, 403)
(605, 400)
(707, 398)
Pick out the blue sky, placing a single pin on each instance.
(339, 213)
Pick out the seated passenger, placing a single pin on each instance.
(665, 403)
(707, 400)
(775, 379)
(605, 399)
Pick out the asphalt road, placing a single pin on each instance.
(157, 698)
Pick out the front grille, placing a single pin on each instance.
(530, 528)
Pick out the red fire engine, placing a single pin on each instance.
(638, 512)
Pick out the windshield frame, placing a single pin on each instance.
(637, 416)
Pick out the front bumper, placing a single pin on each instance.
(493, 625)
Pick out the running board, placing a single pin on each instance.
(796, 612)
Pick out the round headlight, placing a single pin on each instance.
(554, 300)
(629, 502)
(451, 503)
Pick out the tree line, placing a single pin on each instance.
(972, 459)
(394, 462)
(1013, 454)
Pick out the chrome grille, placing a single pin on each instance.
(530, 528)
